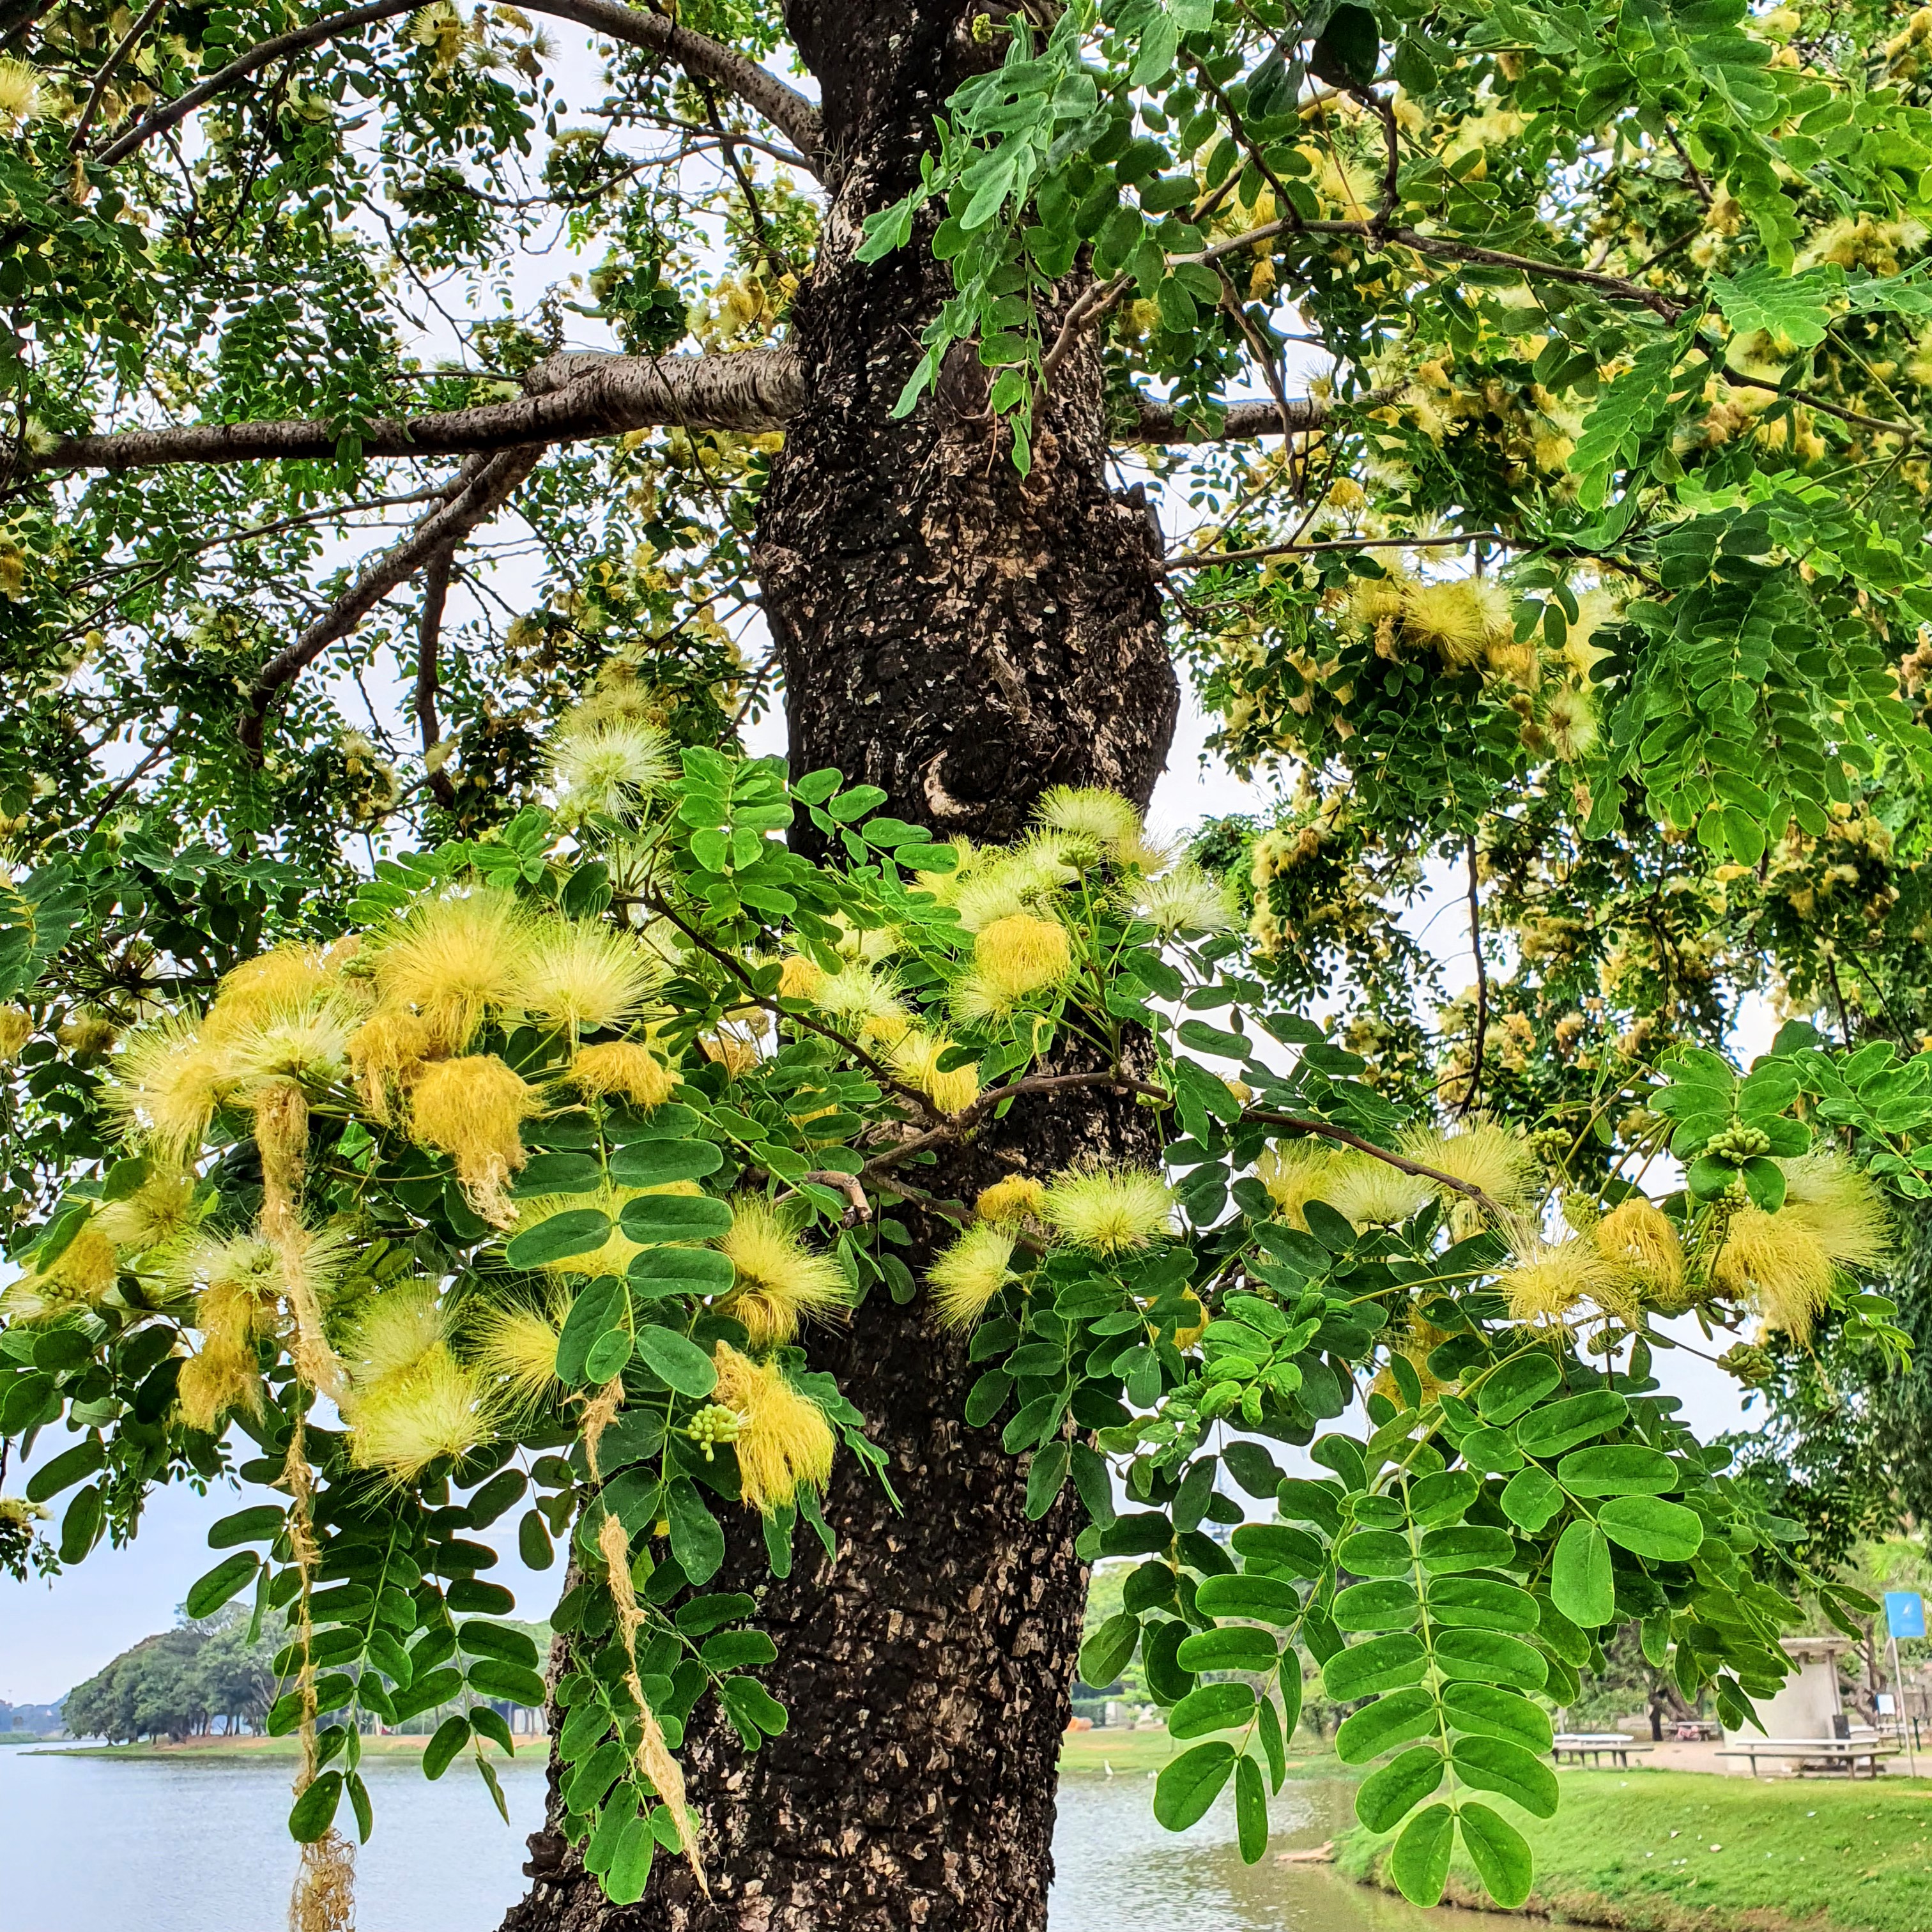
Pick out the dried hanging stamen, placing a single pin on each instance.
(654, 1758)
(324, 1898)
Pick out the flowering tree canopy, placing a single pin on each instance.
(450, 1078)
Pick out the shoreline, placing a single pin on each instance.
(1118, 1754)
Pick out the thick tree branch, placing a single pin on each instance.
(1161, 423)
(785, 108)
(484, 486)
(573, 397)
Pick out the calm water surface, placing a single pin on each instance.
(106, 1844)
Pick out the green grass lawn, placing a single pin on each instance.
(1147, 1751)
(1663, 1851)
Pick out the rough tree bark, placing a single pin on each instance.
(964, 639)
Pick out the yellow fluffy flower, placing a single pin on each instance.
(453, 959)
(1089, 814)
(1022, 954)
(514, 1346)
(783, 1441)
(1546, 1280)
(588, 976)
(285, 979)
(1789, 1263)
(1839, 1204)
(916, 1058)
(1184, 899)
(1642, 1237)
(1109, 1209)
(403, 1422)
(623, 1069)
(800, 978)
(222, 1377)
(779, 1279)
(79, 1277)
(1484, 1154)
(160, 1211)
(1371, 1192)
(608, 765)
(16, 1028)
(966, 1276)
(167, 1081)
(470, 1109)
(386, 1052)
(1018, 1198)
(19, 93)
(1291, 1173)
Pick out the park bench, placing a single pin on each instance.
(1809, 1754)
(1597, 1745)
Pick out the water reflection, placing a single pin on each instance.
(1117, 1870)
(188, 1845)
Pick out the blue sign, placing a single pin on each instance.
(1904, 1613)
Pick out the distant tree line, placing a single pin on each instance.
(206, 1675)
(183, 1683)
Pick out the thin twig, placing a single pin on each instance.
(1482, 984)
(1327, 1130)
(429, 637)
(78, 140)
(1208, 560)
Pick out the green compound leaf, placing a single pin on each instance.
(1482, 1657)
(577, 1231)
(1191, 1783)
(1495, 1764)
(1228, 1647)
(1382, 1663)
(451, 1735)
(1105, 1655)
(1389, 1720)
(1516, 1385)
(1251, 1817)
(1420, 1862)
(1263, 1597)
(1213, 1707)
(655, 1163)
(1389, 1605)
(629, 1870)
(1647, 1526)
(208, 1593)
(1488, 1711)
(1619, 1469)
(1582, 1584)
(676, 1360)
(1558, 1425)
(1386, 1797)
(1477, 1603)
(1531, 1499)
(313, 1812)
(1500, 1854)
(675, 1217)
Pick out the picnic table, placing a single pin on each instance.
(1825, 1754)
(1597, 1745)
(1697, 1731)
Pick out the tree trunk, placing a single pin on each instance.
(965, 639)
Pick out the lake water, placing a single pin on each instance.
(183, 1845)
